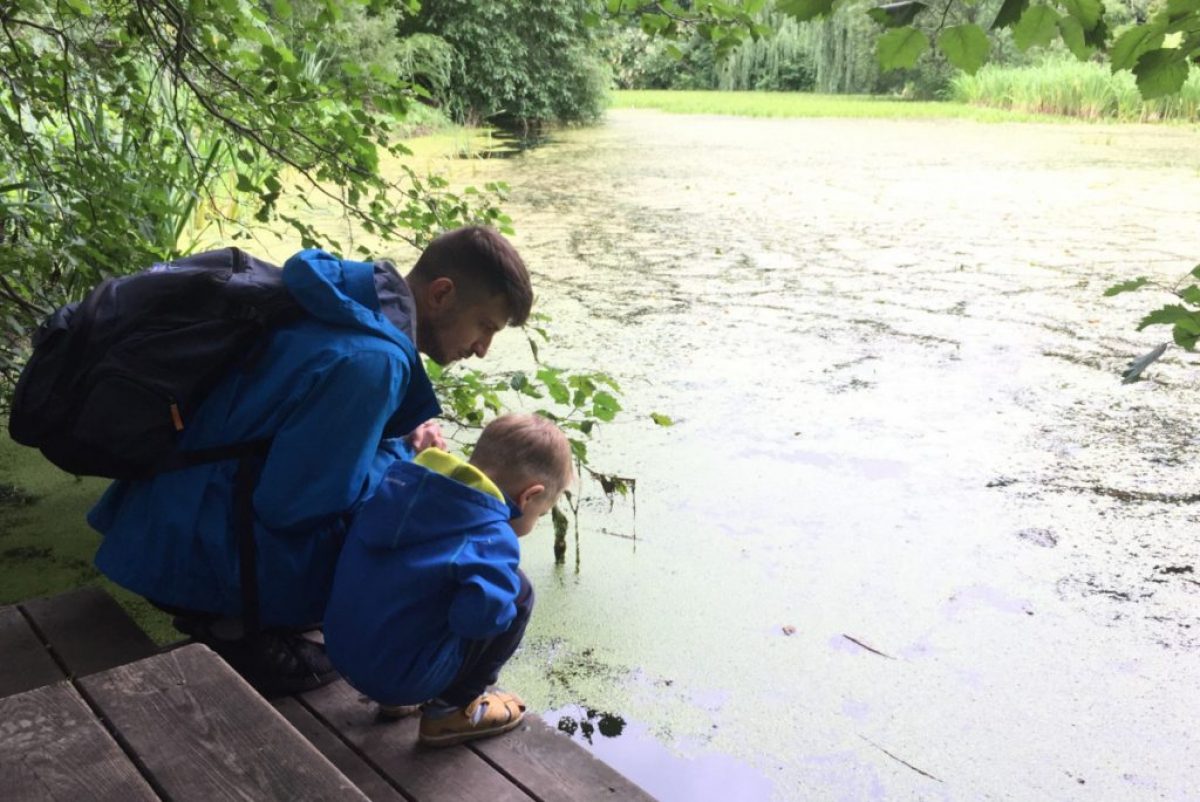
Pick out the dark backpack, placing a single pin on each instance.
(115, 378)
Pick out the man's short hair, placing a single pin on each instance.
(482, 264)
(517, 448)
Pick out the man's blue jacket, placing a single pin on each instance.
(331, 391)
(430, 563)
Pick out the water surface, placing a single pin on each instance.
(910, 538)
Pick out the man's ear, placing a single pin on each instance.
(527, 495)
(440, 294)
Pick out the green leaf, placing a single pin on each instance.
(1178, 8)
(605, 406)
(1037, 27)
(654, 23)
(895, 15)
(900, 48)
(1074, 38)
(1160, 73)
(244, 184)
(803, 10)
(1088, 12)
(1130, 45)
(1195, 272)
(1009, 13)
(965, 46)
(1168, 315)
(1191, 295)
(1126, 286)
(1186, 333)
(661, 420)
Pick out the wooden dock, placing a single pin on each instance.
(90, 709)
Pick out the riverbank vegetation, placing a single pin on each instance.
(1086, 90)
(807, 104)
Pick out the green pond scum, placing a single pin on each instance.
(46, 546)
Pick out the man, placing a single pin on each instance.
(330, 396)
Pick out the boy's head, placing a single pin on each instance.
(468, 284)
(529, 458)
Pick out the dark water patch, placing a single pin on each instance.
(13, 496)
(511, 143)
(1039, 537)
(1138, 496)
(591, 723)
(891, 331)
(1175, 569)
(1081, 360)
(22, 554)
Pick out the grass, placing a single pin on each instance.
(46, 546)
(1078, 89)
(802, 104)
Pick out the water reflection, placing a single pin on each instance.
(670, 775)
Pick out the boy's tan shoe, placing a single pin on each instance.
(489, 714)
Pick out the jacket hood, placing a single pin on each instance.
(421, 504)
(348, 294)
(369, 297)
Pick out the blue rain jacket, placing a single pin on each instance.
(335, 391)
(429, 564)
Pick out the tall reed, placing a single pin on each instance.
(1076, 89)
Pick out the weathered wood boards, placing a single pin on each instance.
(89, 710)
(201, 733)
(555, 769)
(53, 748)
(531, 762)
(75, 634)
(26, 663)
(428, 775)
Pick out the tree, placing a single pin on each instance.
(520, 63)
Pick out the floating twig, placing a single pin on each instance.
(900, 760)
(865, 646)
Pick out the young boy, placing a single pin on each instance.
(428, 602)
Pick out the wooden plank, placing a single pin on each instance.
(88, 630)
(201, 733)
(554, 768)
(362, 774)
(26, 663)
(452, 774)
(53, 748)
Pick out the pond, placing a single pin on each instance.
(909, 537)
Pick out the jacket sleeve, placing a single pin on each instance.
(485, 601)
(320, 460)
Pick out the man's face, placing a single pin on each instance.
(460, 330)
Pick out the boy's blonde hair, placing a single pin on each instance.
(516, 449)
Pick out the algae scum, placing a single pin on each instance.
(910, 538)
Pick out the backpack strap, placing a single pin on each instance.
(250, 456)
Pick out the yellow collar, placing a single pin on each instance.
(455, 468)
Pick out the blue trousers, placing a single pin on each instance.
(484, 658)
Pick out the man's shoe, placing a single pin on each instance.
(489, 714)
(275, 663)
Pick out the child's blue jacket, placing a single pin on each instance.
(429, 564)
(332, 390)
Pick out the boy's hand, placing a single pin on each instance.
(427, 435)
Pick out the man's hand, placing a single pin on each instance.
(427, 435)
